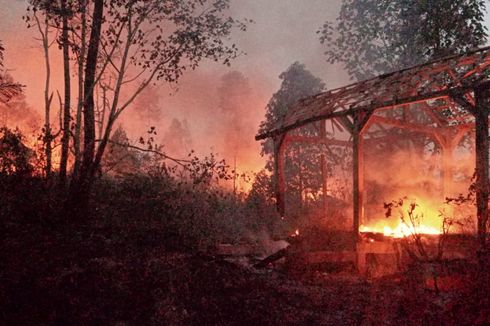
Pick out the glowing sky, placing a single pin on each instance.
(284, 31)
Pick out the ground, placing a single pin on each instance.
(88, 275)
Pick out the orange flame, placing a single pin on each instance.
(429, 221)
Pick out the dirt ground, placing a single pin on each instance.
(117, 277)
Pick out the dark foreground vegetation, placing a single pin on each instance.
(144, 255)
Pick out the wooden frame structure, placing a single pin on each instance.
(454, 90)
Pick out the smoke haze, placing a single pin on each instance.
(283, 32)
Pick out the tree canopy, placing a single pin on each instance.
(372, 37)
(297, 83)
(301, 162)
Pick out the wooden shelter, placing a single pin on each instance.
(454, 91)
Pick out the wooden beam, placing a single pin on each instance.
(459, 99)
(405, 125)
(366, 108)
(317, 140)
(349, 125)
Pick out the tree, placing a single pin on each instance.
(69, 20)
(235, 96)
(44, 15)
(80, 49)
(8, 88)
(148, 106)
(125, 46)
(372, 37)
(15, 156)
(120, 159)
(138, 43)
(301, 162)
(297, 83)
(16, 112)
(65, 13)
(260, 201)
(82, 184)
(177, 139)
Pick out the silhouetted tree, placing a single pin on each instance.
(15, 156)
(301, 162)
(234, 94)
(371, 37)
(119, 158)
(177, 139)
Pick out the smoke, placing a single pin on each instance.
(177, 139)
(418, 177)
(283, 32)
(17, 113)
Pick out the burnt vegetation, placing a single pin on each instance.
(101, 229)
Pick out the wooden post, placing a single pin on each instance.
(358, 182)
(323, 162)
(279, 172)
(360, 121)
(482, 110)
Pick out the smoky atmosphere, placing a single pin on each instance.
(234, 162)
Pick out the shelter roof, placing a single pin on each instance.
(458, 74)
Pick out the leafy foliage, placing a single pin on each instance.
(8, 88)
(371, 37)
(15, 156)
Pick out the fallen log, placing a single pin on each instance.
(272, 258)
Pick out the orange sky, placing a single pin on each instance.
(284, 32)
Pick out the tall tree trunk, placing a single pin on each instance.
(114, 113)
(65, 142)
(89, 87)
(47, 97)
(79, 194)
(78, 119)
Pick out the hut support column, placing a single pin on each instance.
(481, 112)
(324, 184)
(323, 162)
(358, 179)
(360, 120)
(279, 172)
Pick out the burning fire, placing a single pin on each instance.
(401, 230)
(295, 234)
(428, 221)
